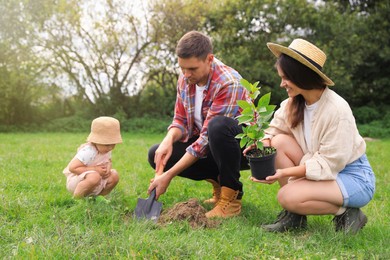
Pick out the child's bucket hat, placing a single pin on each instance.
(306, 53)
(105, 130)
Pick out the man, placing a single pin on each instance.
(200, 143)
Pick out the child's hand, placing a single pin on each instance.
(102, 170)
(109, 167)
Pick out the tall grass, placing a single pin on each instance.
(40, 220)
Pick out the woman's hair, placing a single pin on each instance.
(194, 44)
(304, 78)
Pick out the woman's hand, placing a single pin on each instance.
(270, 179)
(246, 150)
(266, 142)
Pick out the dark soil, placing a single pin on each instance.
(190, 211)
(256, 153)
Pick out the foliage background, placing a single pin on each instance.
(65, 61)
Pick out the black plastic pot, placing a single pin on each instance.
(262, 166)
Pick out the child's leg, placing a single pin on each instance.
(112, 181)
(87, 186)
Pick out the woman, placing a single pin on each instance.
(321, 163)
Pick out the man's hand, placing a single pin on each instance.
(163, 153)
(161, 183)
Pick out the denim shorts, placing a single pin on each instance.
(357, 183)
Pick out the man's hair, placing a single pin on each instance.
(194, 44)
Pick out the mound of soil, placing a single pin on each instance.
(190, 211)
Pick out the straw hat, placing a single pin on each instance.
(306, 53)
(105, 130)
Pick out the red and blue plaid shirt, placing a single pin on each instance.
(220, 97)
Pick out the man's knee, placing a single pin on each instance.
(216, 123)
(217, 126)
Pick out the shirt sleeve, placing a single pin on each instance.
(278, 124)
(86, 154)
(180, 120)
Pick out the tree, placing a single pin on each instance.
(99, 45)
(172, 20)
(354, 35)
(23, 93)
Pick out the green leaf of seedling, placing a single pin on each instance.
(264, 100)
(260, 145)
(243, 142)
(254, 94)
(259, 135)
(243, 104)
(261, 110)
(252, 135)
(239, 136)
(246, 84)
(266, 115)
(255, 117)
(250, 142)
(271, 107)
(252, 128)
(243, 119)
(247, 111)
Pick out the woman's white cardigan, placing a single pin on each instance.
(335, 140)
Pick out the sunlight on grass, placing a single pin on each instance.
(40, 219)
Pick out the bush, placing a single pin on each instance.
(375, 129)
(365, 114)
(71, 124)
(146, 124)
(79, 124)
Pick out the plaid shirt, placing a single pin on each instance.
(220, 97)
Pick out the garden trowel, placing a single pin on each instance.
(149, 208)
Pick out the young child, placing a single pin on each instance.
(90, 172)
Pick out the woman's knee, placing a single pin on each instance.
(288, 150)
(281, 141)
(286, 198)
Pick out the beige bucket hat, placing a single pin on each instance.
(105, 130)
(306, 53)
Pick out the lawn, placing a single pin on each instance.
(40, 220)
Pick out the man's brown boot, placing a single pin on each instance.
(227, 206)
(216, 192)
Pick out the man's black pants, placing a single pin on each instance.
(224, 159)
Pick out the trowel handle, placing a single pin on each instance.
(152, 197)
(160, 169)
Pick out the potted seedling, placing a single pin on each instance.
(255, 117)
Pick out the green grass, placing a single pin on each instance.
(40, 220)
